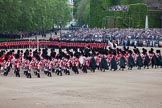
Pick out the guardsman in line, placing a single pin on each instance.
(159, 58)
(122, 61)
(146, 61)
(130, 60)
(103, 64)
(139, 61)
(67, 67)
(92, 64)
(113, 62)
(17, 68)
(86, 64)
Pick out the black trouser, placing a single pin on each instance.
(113, 69)
(102, 69)
(49, 74)
(146, 65)
(45, 72)
(17, 74)
(6, 71)
(26, 73)
(75, 69)
(130, 67)
(93, 69)
(122, 68)
(84, 69)
(29, 75)
(139, 67)
(67, 72)
(59, 72)
(38, 73)
(153, 64)
(98, 67)
(35, 72)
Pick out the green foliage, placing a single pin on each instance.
(124, 2)
(116, 19)
(8, 8)
(154, 19)
(75, 9)
(135, 1)
(96, 13)
(106, 3)
(6, 39)
(32, 15)
(135, 17)
(83, 12)
(114, 2)
(109, 22)
(138, 13)
(127, 2)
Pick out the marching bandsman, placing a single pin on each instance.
(1, 62)
(67, 67)
(139, 61)
(113, 62)
(135, 55)
(75, 64)
(59, 67)
(85, 65)
(50, 67)
(38, 68)
(159, 58)
(63, 62)
(103, 64)
(92, 64)
(46, 68)
(146, 59)
(98, 60)
(154, 61)
(122, 61)
(55, 64)
(17, 67)
(109, 57)
(6, 67)
(26, 68)
(130, 61)
(33, 64)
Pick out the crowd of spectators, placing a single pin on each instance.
(118, 8)
(127, 37)
(130, 37)
(21, 35)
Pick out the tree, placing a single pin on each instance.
(76, 4)
(83, 12)
(32, 15)
(10, 12)
(114, 2)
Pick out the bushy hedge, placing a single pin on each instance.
(121, 19)
(154, 18)
(127, 2)
(134, 17)
(138, 13)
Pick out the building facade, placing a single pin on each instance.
(154, 4)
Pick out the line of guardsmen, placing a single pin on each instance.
(76, 60)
